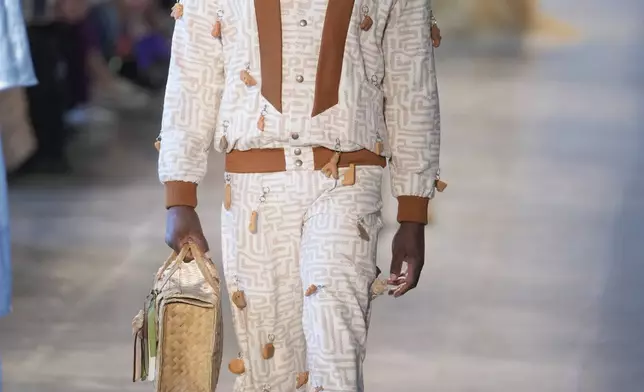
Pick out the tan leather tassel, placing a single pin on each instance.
(239, 299)
(216, 30)
(302, 379)
(252, 226)
(379, 147)
(236, 366)
(228, 196)
(268, 351)
(247, 78)
(261, 123)
(350, 175)
(440, 185)
(436, 36)
(366, 24)
(311, 290)
(331, 168)
(157, 145)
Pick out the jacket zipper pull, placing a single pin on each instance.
(223, 142)
(367, 22)
(247, 78)
(262, 120)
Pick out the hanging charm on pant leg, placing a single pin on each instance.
(157, 143)
(216, 29)
(239, 299)
(236, 366)
(435, 32)
(311, 290)
(238, 296)
(367, 22)
(268, 351)
(254, 216)
(228, 193)
(252, 226)
(362, 231)
(301, 380)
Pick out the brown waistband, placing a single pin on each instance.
(272, 160)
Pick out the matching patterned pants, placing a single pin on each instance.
(306, 271)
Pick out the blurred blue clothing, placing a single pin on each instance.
(5, 250)
(16, 68)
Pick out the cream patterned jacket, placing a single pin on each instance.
(342, 74)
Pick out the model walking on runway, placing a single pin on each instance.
(309, 100)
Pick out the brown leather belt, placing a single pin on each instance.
(272, 160)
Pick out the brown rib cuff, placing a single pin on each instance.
(179, 193)
(412, 209)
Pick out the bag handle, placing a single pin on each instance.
(175, 260)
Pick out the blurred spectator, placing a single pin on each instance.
(94, 90)
(47, 99)
(133, 39)
(76, 86)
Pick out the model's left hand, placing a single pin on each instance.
(409, 247)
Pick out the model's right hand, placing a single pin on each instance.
(183, 226)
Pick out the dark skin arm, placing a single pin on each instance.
(409, 242)
(408, 246)
(183, 226)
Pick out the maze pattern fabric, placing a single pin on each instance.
(307, 234)
(343, 74)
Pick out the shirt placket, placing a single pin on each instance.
(301, 81)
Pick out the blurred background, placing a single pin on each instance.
(535, 254)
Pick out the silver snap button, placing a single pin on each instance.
(297, 151)
(298, 163)
(303, 23)
(295, 136)
(299, 78)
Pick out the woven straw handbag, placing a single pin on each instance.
(178, 335)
